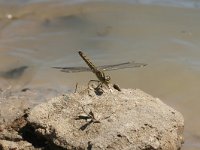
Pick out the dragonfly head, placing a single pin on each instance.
(107, 79)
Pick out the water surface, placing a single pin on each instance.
(42, 35)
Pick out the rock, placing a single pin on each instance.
(13, 102)
(10, 137)
(20, 145)
(130, 119)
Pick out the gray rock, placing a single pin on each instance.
(11, 145)
(10, 136)
(126, 120)
(13, 102)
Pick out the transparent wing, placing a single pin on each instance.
(131, 64)
(104, 67)
(73, 69)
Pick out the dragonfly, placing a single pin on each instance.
(99, 70)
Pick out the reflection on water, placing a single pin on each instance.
(14, 73)
(71, 21)
(43, 35)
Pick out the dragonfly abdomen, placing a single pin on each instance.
(88, 62)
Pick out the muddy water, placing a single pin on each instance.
(42, 35)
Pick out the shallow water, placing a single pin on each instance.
(165, 37)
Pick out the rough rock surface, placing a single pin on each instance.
(19, 145)
(14, 104)
(10, 138)
(130, 119)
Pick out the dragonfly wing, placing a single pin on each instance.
(72, 69)
(121, 66)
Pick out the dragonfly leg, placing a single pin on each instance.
(100, 85)
(89, 83)
(98, 89)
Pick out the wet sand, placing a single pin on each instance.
(166, 38)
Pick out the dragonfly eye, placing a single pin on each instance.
(107, 78)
